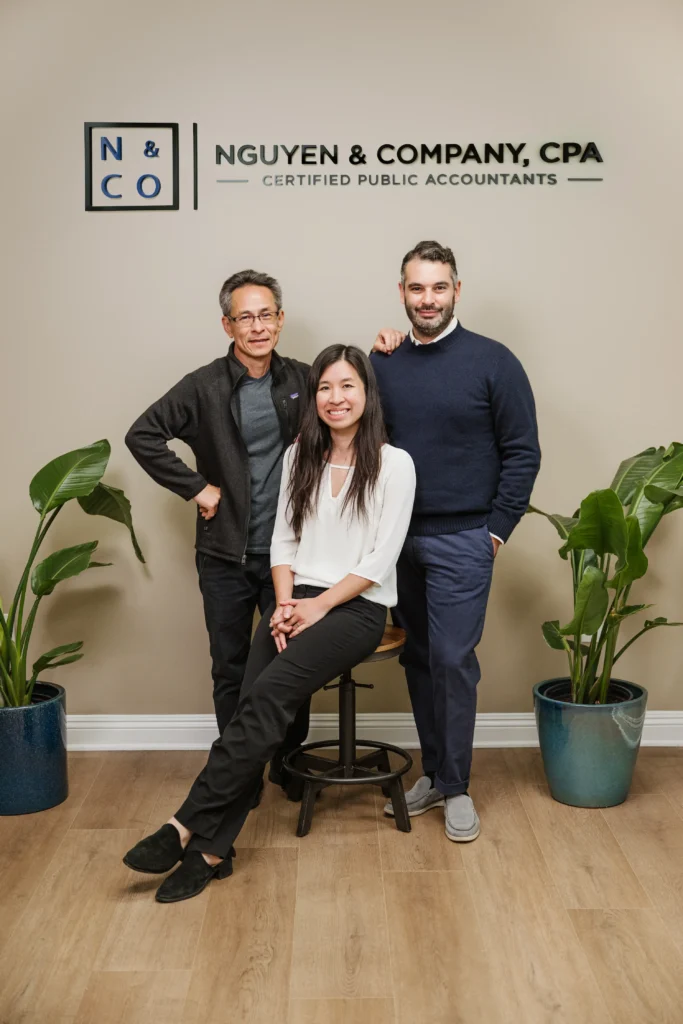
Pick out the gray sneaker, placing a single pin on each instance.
(462, 821)
(422, 797)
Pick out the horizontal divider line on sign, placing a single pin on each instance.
(197, 732)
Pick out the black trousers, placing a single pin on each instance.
(275, 685)
(231, 592)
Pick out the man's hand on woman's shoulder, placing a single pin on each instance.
(388, 340)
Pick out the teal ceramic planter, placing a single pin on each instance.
(33, 753)
(589, 750)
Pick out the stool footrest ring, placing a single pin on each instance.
(318, 772)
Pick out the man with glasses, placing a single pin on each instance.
(238, 414)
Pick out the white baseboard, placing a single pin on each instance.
(197, 732)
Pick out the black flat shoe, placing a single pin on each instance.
(156, 854)
(276, 774)
(192, 877)
(292, 787)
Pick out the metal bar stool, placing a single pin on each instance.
(350, 768)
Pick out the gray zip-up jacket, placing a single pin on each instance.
(200, 410)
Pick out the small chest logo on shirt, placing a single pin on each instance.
(295, 395)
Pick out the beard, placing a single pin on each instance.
(433, 326)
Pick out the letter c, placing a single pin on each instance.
(381, 158)
(105, 184)
(550, 159)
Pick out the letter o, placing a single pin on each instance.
(157, 186)
(406, 145)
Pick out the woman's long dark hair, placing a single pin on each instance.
(314, 443)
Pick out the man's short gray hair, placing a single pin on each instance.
(242, 278)
(433, 252)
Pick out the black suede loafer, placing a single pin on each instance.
(292, 787)
(156, 854)
(192, 877)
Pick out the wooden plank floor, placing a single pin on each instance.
(554, 914)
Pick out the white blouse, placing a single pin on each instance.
(334, 544)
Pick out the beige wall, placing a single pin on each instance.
(101, 313)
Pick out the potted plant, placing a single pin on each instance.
(33, 772)
(590, 723)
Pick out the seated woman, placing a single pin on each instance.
(345, 503)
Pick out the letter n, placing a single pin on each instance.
(116, 151)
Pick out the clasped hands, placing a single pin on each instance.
(292, 617)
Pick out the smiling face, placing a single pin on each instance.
(429, 295)
(340, 398)
(254, 339)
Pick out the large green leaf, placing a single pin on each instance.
(670, 498)
(590, 605)
(633, 563)
(69, 476)
(60, 565)
(673, 506)
(63, 655)
(601, 526)
(667, 477)
(662, 495)
(552, 635)
(633, 471)
(109, 501)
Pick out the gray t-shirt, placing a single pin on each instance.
(260, 429)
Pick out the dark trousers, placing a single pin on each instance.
(443, 588)
(231, 592)
(275, 685)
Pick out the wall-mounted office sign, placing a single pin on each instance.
(134, 166)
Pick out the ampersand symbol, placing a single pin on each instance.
(150, 149)
(357, 155)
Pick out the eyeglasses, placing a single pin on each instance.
(247, 319)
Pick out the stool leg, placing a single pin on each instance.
(398, 802)
(347, 724)
(386, 766)
(307, 807)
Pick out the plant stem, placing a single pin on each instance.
(606, 676)
(645, 629)
(39, 538)
(26, 639)
(589, 672)
(7, 687)
(613, 625)
(577, 668)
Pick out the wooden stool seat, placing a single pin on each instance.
(351, 768)
(391, 644)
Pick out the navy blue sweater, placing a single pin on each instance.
(463, 409)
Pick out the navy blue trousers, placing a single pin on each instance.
(443, 589)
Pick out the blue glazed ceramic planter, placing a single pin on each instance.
(589, 750)
(33, 753)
